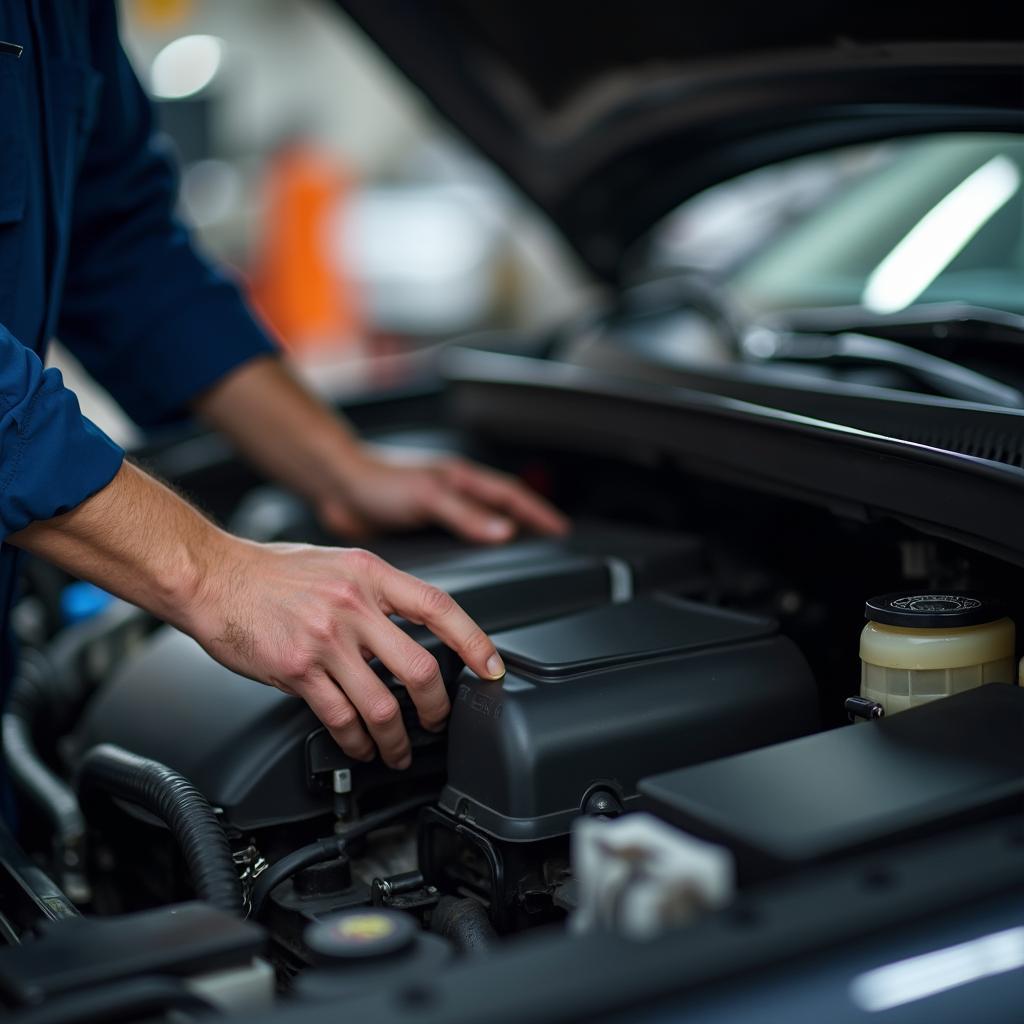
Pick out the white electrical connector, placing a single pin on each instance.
(637, 876)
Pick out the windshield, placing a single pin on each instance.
(930, 219)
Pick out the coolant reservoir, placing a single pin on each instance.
(920, 647)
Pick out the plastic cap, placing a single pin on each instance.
(932, 610)
(360, 935)
(80, 601)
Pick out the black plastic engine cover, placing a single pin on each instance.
(261, 756)
(600, 699)
(855, 787)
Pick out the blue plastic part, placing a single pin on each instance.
(80, 601)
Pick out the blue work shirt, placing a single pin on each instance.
(90, 252)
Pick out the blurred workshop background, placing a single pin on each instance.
(363, 229)
(359, 225)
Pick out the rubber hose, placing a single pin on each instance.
(186, 812)
(464, 923)
(327, 849)
(32, 776)
(41, 897)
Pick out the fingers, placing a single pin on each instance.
(353, 593)
(419, 602)
(507, 494)
(468, 518)
(377, 706)
(416, 668)
(339, 717)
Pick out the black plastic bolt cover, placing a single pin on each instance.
(602, 802)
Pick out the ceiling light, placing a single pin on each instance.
(185, 66)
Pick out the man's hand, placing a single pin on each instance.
(306, 619)
(383, 489)
(358, 489)
(303, 619)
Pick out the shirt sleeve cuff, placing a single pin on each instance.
(55, 461)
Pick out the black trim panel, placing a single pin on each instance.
(973, 501)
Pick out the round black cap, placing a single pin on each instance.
(360, 935)
(932, 610)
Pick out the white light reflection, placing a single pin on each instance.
(185, 66)
(940, 235)
(921, 976)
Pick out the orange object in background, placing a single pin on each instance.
(159, 15)
(297, 282)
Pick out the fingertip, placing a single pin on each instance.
(495, 667)
(498, 528)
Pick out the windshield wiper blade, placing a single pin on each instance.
(941, 321)
(941, 375)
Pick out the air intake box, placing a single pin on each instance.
(595, 701)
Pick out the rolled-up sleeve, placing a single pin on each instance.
(51, 456)
(149, 318)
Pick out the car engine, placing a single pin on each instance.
(674, 716)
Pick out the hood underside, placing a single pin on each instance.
(609, 115)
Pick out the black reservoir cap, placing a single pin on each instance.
(933, 610)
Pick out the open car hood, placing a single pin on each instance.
(609, 115)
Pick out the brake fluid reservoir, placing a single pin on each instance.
(917, 648)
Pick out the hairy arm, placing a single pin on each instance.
(135, 538)
(357, 489)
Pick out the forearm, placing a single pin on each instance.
(281, 427)
(135, 538)
(296, 439)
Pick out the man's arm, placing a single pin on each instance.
(303, 619)
(279, 425)
(165, 332)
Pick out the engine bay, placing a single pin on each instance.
(672, 736)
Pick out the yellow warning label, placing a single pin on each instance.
(365, 927)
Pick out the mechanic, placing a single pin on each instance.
(90, 251)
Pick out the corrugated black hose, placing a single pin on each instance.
(186, 812)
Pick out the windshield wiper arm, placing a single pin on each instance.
(941, 375)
